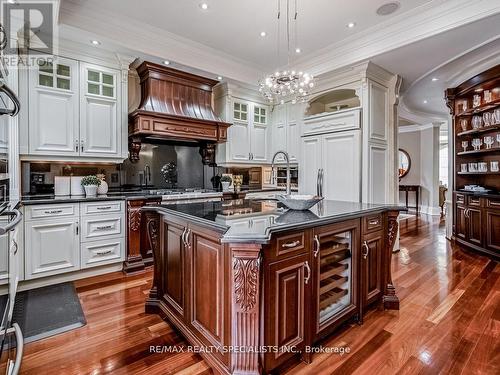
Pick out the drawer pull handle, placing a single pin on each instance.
(105, 227)
(290, 244)
(52, 212)
(308, 269)
(104, 252)
(374, 222)
(317, 245)
(15, 246)
(104, 208)
(493, 203)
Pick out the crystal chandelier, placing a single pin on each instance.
(287, 85)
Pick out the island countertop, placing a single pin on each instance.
(246, 220)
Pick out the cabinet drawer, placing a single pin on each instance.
(51, 211)
(290, 244)
(460, 198)
(94, 227)
(332, 122)
(101, 207)
(474, 201)
(372, 223)
(101, 252)
(493, 203)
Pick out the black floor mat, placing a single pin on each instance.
(48, 311)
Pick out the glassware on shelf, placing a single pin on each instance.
(464, 124)
(494, 166)
(476, 101)
(463, 167)
(477, 122)
(487, 118)
(461, 106)
(488, 141)
(482, 166)
(498, 138)
(496, 116)
(472, 167)
(465, 144)
(477, 143)
(487, 96)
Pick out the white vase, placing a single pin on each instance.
(103, 188)
(225, 185)
(90, 190)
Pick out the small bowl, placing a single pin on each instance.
(299, 202)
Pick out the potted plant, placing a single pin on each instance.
(90, 184)
(225, 180)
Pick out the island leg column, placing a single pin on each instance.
(391, 300)
(245, 307)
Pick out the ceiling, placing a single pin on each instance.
(234, 26)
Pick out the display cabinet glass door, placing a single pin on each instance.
(335, 266)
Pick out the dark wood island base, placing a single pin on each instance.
(255, 305)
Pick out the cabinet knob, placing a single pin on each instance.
(308, 269)
(366, 248)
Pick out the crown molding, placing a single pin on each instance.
(418, 128)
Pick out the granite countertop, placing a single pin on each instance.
(246, 220)
(490, 194)
(52, 199)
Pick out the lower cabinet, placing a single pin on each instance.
(371, 267)
(102, 252)
(460, 222)
(474, 220)
(287, 283)
(492, 226)
(54, 247)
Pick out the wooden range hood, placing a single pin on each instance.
(175, 106)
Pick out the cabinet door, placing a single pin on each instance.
(100, 130)
(474, 226)
(279, 132)
(341, 164)
(53, 109)
(371, 266)
(492, 238)
(174, 278)
(206, 265)
(259, 133)
(238, 134)
(285, 311)
(4, 254)
(293, 141)
(53, 247)
(460, 223)
(310, 164)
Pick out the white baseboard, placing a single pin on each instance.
(71, 276)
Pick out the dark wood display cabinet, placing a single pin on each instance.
(475, 108)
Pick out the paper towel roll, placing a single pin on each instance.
(61, 185)
(76, 185)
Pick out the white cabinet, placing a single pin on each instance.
(339, 155)
(53, 247)
(75, 110)
(100, 133)
(287, 131)
(53, 108)
(248, 136)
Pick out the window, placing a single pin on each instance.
(99, 83)
(240, 111)
(56, 76)
(259, 115)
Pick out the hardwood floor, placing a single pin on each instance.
(449, 322)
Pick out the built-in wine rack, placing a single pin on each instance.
(335, 252)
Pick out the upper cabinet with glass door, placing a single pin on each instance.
(99, 111)
(53, 107)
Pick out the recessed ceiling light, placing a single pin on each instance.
(166, 62)
(425, 101)
(388, 8)
(298, 50)
(95, 42)
(351, 25)
(204, 6)
(263, 33)
(219, 78)
(435, 79)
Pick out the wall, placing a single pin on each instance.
(422, 144)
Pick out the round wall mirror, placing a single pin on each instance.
(404, 163)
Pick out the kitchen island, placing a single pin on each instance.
(254, 285)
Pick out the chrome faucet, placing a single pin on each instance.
(287, 159)
(147, 175)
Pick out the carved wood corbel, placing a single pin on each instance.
(153, 230)
(391, 300)
(245, 302)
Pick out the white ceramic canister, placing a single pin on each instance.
(76, 185)
(62, 185)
